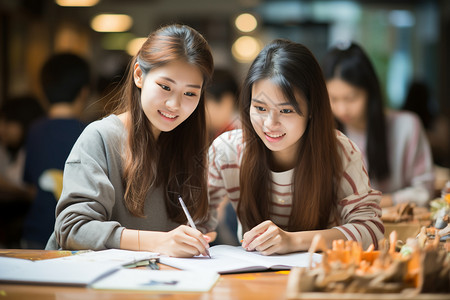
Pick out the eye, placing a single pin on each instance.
(164, 87)
(190, 94)
(259, 108)
(286, 111)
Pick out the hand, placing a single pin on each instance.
(183, 241)
(267, 238)
(210, 236)
(386, 201)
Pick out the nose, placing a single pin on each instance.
(173, 103)
(272, 119)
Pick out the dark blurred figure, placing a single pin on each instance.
(417, 101)
(221, 116)
(66, 81)
(16, 116)
(221, 103)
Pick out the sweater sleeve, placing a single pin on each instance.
(359, 205)
(223, 178)
(416, 163)
(83, 213)
(216, 188)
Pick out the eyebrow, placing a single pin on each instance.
(188, 85)
(262, 102)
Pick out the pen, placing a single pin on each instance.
(188, 216)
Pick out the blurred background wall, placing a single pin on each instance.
(406, 39)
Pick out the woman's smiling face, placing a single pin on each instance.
(169, 94)
(276, 121)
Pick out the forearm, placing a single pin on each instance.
(182, 241)
(139, 240)
(78, 231)
(301, 240)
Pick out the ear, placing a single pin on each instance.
(138, 75)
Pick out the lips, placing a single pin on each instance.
(273, 137)
(167, 115)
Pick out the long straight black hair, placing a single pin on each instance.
(293, 68)
(352, 65)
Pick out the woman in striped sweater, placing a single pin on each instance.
(394, 145)
(288, 173)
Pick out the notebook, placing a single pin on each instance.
(235, 259)
(161, 281)
(77, 270)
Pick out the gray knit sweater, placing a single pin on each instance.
(91, 213)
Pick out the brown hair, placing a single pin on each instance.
(150, 163)
(318, 170)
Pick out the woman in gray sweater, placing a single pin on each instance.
(125, 172)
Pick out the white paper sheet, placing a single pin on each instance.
(163, 281)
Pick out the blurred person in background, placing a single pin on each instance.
(222, 115)
(65, 80)
(437, 126)
(16, 116)
(222, 103)
(394, 144)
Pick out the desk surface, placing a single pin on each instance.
(265, 285)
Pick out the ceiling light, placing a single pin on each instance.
(246, 48)
(77, 2)
(111, 23)
(246, 22)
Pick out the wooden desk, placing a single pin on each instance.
(265, 285)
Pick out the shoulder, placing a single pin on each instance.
(345, 144)
(107, 127)
(402, 119)
(403, 128)
(228, 145)
(107, 133)
(229, 139)
(347, 149)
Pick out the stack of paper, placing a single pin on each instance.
(82, 269)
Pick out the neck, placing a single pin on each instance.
(125, 118)
(283, 160)
(359, 127)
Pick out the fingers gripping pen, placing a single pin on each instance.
(189, 218)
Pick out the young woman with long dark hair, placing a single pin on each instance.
(394, 144)
(125, 172)
(288, 172)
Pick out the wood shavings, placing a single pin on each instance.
(421, 266)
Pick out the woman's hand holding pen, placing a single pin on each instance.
(267, 238)
(183, 241)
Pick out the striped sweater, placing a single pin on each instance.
(358, 212)
(410, 159)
